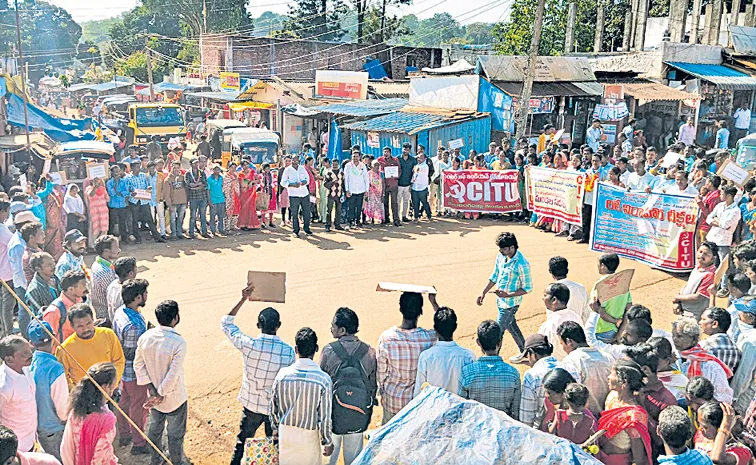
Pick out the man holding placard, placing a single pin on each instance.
(391, 171)
(139, 202)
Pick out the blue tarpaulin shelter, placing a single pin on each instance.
(59, 129)
(440, 428)
(334, 141)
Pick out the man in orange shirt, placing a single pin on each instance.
(74, 287)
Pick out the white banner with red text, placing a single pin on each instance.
(555, 193)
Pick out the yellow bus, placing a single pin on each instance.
(154, 119)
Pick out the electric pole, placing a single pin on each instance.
(149, 65)
(20, 67)
(527, 86)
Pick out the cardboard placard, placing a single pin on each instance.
(142, 194)
(391, 172)
(732, 172)
(59, 178)
(270, 286)
(97, 170)
(614, 285)
(456, 144)
(390, 287)
(718, 275)
(670, 159)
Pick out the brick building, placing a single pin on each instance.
(298, 59)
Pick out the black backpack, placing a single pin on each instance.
(352, 402)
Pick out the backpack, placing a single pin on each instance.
(352, 402)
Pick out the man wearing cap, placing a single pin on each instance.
(537, 354)
(44, 287)
(743, 382)
(17, 391)
(140, 208)
(406, 166)
(390, 184)
(16, 248)
(7, 302)
(118, 191)
(52, 389)
(196, 181)
(75, 245)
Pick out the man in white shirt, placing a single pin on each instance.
(687, 133)
(681, 186)
(624, 172)
(356, 183)
(640, 180)
(724, 220)
(634, 332)
(593, 135)
(442, 364)
(555, 298)
(421, 176)
(125, 268)
(742, 121)
(559, 267)
(7, 302)
(159, 364)
(588, 365)
(296, 181)
(18, 406)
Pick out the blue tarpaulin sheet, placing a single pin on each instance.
(59, 129)
(375, 69)
(334, 141)
(440, 428)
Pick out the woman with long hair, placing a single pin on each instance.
(248, 183)
(625, 437)
(555, 383)
(91, 426)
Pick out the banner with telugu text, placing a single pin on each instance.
(555, 193)
(657, 229)
(481, 191)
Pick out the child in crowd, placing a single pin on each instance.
(612, 311)
(695, 295)
(575, 423)
(668, 372)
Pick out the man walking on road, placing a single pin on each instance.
(264, 356)
(159, 364)
(512, 279)
(300, 406)
(390, 184)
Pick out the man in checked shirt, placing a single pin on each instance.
(714, 323)
(263, 357)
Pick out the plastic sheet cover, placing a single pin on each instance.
(440, 428)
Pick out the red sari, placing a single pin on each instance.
(56, 223)
(742, 454)
(248, 212)
(631, 418)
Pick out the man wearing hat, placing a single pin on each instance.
(16, 248)
(390, 184)
(7, 302)
(75, 244)
(742, 383)
(537, 354)
(52, 389)
(140, 208)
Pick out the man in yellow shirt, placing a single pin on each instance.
(88, 345)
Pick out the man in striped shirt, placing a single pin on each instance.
(103, 272)
(264, 356)
(300, 407)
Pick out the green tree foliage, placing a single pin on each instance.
(614, 25)
(659, 8)
(315, 19)
(135, 66)
(479, 33)
(88, 52)
(442, 28)
(268, 23)
(98, 31)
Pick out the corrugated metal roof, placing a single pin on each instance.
(162, 87)
(222, 96)
(406, 123)
(722, 76)
(102, 86)
(554, 89)
(362, 108)
(548, 69)
(653, 91)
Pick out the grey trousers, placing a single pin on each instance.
(50, 443)
(176, 432)
(7, 303)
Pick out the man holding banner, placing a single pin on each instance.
(592, 178)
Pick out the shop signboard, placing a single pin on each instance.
(540, 105)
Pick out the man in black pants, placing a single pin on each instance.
(118, 190)
(590, 197)
(140, 208)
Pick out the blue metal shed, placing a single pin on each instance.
(427, 129)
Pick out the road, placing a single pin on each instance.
(331, 270)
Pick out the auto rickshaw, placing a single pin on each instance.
(745, 152)
(214, 131)
(259, 145)
(71, 159)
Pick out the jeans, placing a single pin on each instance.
(132, 402)
(177, 219)
(250, 423)
(50, 442)
(142, 213)
(404, 200)
(420, 197)
(335, 205)
(7, 303)
(724, 254)
(354, 210)
(120, 216)
(507, 321)
(217, 213)
(176, 432)
(390, 198)
(352, 445)
(607, 336)
(23, 316)
(197, 208)
(300, 204)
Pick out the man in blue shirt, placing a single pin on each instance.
(52, 389)
(217, 201)
(723, 136)
(118, 191)
(132, 157)
(137, 183)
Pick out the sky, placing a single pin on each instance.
(85, 10)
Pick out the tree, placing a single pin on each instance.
(268, 23)
(479, 33)
(614, 24)
(87, 52)
(135, 66)
(96, 31)
(433, 31)
(658, 8)
(222, 15)
(315, 19)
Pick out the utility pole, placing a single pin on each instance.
(569, 36)
(527, 86)
(204, 16)
(149, 65)
(598, 38)
(20, 66)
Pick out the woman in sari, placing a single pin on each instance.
(625, 438)
(91, 426)
(556, 162)
(98, 199)
(268, 186)
(56, 223)
(373, 208)
(715, 435)
(231, 191)
(248, 183)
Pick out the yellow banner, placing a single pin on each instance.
(241, 106)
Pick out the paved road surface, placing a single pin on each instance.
(332, 270)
